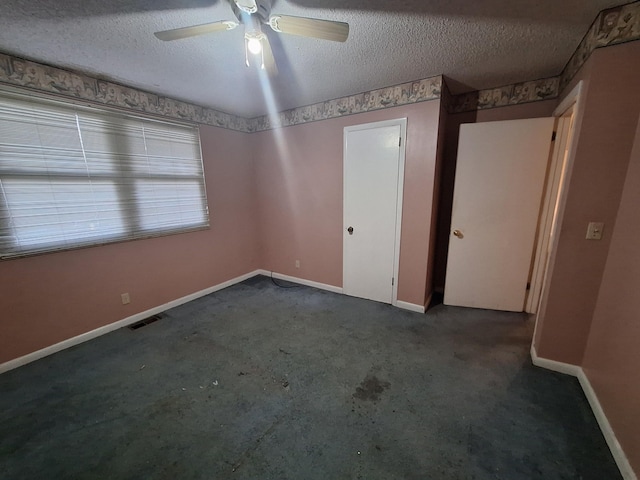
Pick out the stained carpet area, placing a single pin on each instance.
(261, 382)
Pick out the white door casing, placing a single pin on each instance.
(500, 176)
(555, 175)
(373, 185)
(573, 105)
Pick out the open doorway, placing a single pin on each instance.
(554, 200)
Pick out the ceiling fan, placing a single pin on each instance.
(253, 14)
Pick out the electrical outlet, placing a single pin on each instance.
(125, 298)
(594, 230)
(297, 263)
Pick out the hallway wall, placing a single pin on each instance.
(605, 135)
(611, 359)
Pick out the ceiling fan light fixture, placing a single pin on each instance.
(254, 45)
(253, 15)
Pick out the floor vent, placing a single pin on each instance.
(146, 321)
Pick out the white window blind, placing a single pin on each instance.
(73, 176)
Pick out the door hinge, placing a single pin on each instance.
(392, 280)
(553, 136)
(528, 286)
(400, 141)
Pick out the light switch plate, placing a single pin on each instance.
(594, 230)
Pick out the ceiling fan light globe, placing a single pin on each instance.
(254, 45)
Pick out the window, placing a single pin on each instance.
(74, 176)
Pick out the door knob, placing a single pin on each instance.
(350, 230)
(458, 233)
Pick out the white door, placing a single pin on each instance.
(373, 178)
(500, 175)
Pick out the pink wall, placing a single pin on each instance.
(273, 196)
(612, 358)
(49, 298)
(299, 177)
(452, 130)
(604, 140)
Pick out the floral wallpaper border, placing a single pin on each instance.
(517, 93)
(394, 96)
(25, 73)
(613, 26)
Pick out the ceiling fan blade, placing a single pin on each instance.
(268, 58)
(185, 32)
(310, 27)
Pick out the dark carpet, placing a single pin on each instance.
(261, 382)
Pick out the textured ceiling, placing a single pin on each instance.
(477, 44)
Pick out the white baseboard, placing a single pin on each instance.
(301, 281)
(331, 288)
(70, 342)
(410, 306)
(609, 435)
(560, 367)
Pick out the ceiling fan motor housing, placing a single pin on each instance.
(263, 10)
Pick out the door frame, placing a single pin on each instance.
(402, 123)
(574, 100)
(555, 173)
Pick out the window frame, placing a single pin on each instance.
(127, 234)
